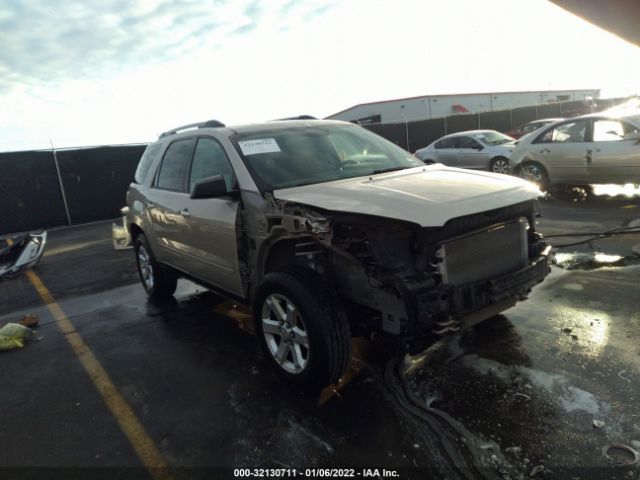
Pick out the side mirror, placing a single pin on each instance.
(211, 187)
(479, 147)
(632, 136)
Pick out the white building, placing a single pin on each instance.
(438, 106)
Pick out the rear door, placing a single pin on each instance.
(447, 151)
(472, 154)
(167, 198)
(211, 245)
(562, 150)
(610, 157)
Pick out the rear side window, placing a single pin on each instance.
(466, 142)
(146, 161)
(175, 164)
(446, 143)
(209, 159)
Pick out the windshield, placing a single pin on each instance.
(321, 153)
(493, 138)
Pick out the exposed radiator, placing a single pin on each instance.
(484, 254)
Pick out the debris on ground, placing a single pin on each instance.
(13, 335)
(22, 252)
(598, 423)
(614, 453)
(536, 470)
(29, 320)
(567, 330)
(621, 375)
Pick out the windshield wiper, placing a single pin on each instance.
(391, 169)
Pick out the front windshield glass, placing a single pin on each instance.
(493, 138)
(297, 156)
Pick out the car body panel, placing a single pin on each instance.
(427, 196)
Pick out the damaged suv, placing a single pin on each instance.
(327, 230)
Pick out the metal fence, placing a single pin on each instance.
(42, 189)
(417, 134)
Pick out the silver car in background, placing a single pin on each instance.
(475, 149)
(590, 149)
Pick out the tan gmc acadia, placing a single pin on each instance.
(328, 230)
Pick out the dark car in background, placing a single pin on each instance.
(522, 130)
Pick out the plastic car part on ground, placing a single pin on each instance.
(23, 252)
(13, 335)
(120, 233)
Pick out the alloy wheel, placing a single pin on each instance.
(146, 269)
(285, 333)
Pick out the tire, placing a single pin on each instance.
(157, 279)
(536, 173)
(302, 328)
(499, 165)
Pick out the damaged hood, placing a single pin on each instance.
(428, 196)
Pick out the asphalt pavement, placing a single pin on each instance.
(112, 385)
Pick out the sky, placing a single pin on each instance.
(79, 73)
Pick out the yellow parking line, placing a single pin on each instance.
(140, 440)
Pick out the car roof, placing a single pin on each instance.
(467, 133)
(254, 127)
(545, 120)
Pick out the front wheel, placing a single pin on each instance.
(157, 279)
(499, 165)
(535, 173)
(302, 327)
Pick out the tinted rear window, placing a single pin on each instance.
(145, 162)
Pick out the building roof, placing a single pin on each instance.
(459, 95)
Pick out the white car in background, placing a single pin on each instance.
(590, 149)
(475, 149)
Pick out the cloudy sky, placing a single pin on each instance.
(118, 71)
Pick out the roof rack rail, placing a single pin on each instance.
(207, 124)
(299, 117)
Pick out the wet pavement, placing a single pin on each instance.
(539, 392)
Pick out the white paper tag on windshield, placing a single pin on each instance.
(259, 145)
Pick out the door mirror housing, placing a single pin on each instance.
(632, 136)
(212, 187)
(478, 147)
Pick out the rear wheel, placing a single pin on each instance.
(499, 165)
(302, 327)
(534, 172)
(157, 279)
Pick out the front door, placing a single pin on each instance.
(472, 154)
(212, 245)
(562, 151)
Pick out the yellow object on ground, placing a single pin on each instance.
(13, 335)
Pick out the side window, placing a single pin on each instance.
(607, 131)
(466, 142)
(446, 143)
(569, 132)
(175, 163)
(145, 162)
(210, 159)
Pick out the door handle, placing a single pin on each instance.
(545, 150)
(185, 212)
